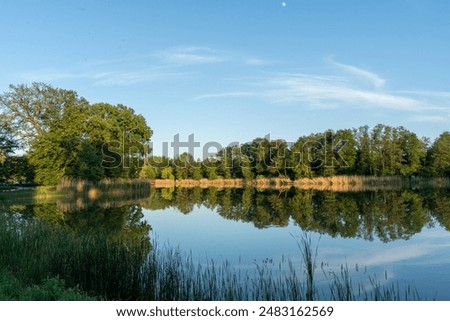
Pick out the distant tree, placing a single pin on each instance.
(153, 166)
(148, 171)
(439, 155)
(197, 173)
(300, 158)
(324, 160)
(279, 158)
(344, 149)
(209, 167)
(413, 152)
(364, 163)
(167, 173)
(184, 165)
(247, 168)
(260, 153)
(225, 159)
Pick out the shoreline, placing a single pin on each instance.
(332, 183)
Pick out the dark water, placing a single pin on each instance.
(396, 236)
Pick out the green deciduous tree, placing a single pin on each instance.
(31, 110)
(167, 173)
(8, 143)
(66, 137)
(301, 157)
(439, 156)
(122, 135)
(413, 152)
(184, 165)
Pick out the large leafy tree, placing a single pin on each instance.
(122, 136)
(30, 110)
(92, 142)
(64, 151)
(66, 137)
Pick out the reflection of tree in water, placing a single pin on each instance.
(439, 204)
(386, 215)
(124, 224)
(398, 215)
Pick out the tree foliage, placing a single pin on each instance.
(31, 110)
(66, 137)
(380, 151)
(439, 155)
(7, 142)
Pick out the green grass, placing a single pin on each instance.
(54, 289)
(47, 263)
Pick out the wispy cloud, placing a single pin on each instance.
(255, 62)
(335, 92)
(133, 69)
(343, 87)
(225, 95)
(102, 78)
(131, 78)
(430, 118)
(191, 55)
(343, 91)
(373, 78)
(49, 75)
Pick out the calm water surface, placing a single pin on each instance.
(398, 236)
(395, 236)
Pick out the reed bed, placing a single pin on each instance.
(120, 270)
(271, 183)
(163, 183)
(343, 183)
(353, 183)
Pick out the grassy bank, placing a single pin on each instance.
(33, 254)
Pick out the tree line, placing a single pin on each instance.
(380, 151)
(63, 136)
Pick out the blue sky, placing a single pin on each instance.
(235, 70)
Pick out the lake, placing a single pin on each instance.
(396, 237)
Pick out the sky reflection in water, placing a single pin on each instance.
(423, 260)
